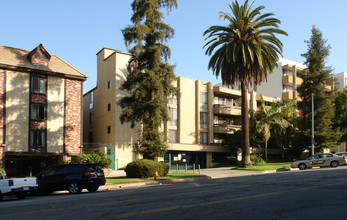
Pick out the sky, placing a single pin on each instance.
(75, 30)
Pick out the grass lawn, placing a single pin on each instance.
(266, 167)
(170, 176)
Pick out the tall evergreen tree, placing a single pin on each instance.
(317, 81)
(150, 75)
(341, 114)
(244, 52)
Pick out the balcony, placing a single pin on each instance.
(226, 110)
(287, 96)
(225, 129)
(287, 80)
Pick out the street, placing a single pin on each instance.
(308, 194)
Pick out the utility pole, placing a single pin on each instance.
(312, 124)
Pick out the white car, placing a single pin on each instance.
(342, 154)
(320, 160)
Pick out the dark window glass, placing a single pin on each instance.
(37, 111)
(38, 139)
(108, 107)
(38, 85)
(108, 129)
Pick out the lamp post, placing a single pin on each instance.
(312, 141)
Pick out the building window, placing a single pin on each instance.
(173, 136)
(203, 120)
(108, 129)
(38, 85)
(37, 111)
(109, 84)
(38, 139)
(91, 101)
(203, 99)
(173, 116)
(109, 107)
(173, 99)
(203, 137)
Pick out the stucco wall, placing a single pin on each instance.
(17, 111)
(55, 115)
(187, 111)
(2, 116)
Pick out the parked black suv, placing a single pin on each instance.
(71, 177)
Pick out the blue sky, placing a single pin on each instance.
(75, 30)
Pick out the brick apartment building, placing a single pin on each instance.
(40, 110)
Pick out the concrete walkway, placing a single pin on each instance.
(222, 172)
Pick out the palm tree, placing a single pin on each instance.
(273, 118)
(244, 52)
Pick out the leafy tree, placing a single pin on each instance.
(316, 80)
(273, 119)
(341, 114)
(150, 76)
(244, 52)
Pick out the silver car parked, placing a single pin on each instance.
(320, 160)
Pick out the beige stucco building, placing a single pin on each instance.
(283, 81)
(340, 81)
(200, 116)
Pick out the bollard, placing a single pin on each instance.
(186, 167)
(177, 168)
(193, 167)
(199, 168)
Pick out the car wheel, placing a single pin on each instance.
(1, 196)
(302, 166)
(74, 187)
(334, 164)
(92, 188)
(21, 195)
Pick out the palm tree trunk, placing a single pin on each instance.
(246, 158)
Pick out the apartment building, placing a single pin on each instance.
(200, 116)
(340, 81)
(40, 110)
(283, 81)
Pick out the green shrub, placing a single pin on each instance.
(257, 160)
(146, 168)
(100, 159)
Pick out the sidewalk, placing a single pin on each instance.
(222, 172)
(211, 173)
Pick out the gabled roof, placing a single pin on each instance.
(42, 49)
(18, 59)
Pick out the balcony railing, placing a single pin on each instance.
(286, 96)
(287, 80)
(226, 110)
(225, 128)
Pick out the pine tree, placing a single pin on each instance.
(341, 114)
(316, 81)
(150, 76)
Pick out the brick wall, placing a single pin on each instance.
(38, 58)
(73, 116)
(2, 116)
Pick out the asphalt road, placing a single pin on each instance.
(308, 194)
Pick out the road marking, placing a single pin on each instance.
(157, 197)
(130, 214)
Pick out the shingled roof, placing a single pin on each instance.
(18, 59)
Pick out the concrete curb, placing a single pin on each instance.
(128, 185)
